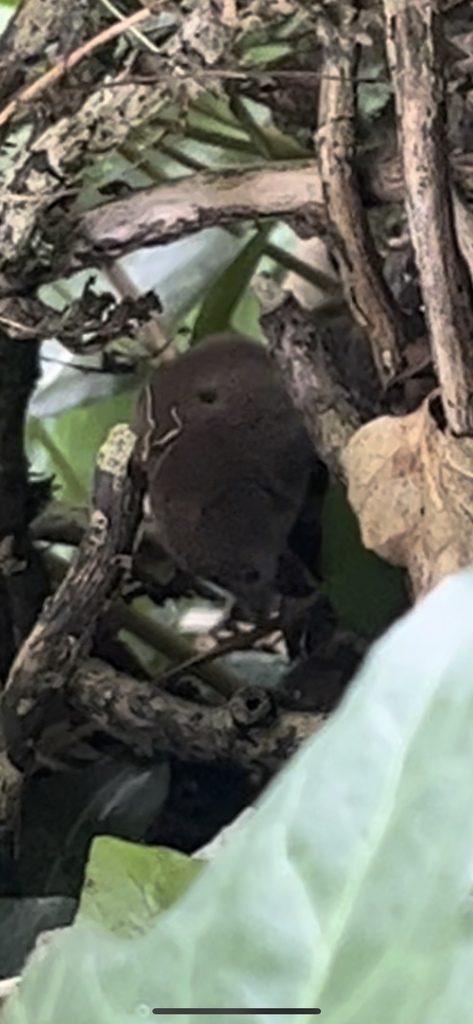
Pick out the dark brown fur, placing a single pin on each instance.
(228, 489)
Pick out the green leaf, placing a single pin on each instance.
(267, 53)
(367, 593)
(216, 106)
(221, 133)
(67, 445)
(227, 291)
(348, 889)
(126, 885)
(246, 317)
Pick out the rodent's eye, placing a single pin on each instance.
(251, 576)
(208, 395)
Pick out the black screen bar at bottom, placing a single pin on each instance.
(303, 1009)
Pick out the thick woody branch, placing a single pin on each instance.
(366, 291)
(329, 414)
(247, 730)
(164, 214)
(63, 634)
(413, 32)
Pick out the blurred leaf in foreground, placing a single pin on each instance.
(349, 888)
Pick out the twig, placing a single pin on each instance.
(64, 631)
(165, 640)
(316, 277)
(240, 642)
(29, 332)
(138, 35)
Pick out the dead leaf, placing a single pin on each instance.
(410, 484)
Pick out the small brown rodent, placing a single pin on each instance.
(228, 463)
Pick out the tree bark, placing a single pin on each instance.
(415, 47)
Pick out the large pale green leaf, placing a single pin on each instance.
(127, 885)
(349, 888)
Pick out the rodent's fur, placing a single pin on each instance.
(227, 489)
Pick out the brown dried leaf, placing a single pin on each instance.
(410, 484)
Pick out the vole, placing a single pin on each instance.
(229, 464)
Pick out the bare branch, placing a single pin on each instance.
(366, 291)
(247, 730)
(164, 214)
(414, 49)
